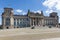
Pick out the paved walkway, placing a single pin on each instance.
(29, 34)
(51, 39)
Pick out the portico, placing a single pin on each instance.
(36, 21)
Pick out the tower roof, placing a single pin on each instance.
(8, 8)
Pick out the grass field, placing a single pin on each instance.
(29, 34)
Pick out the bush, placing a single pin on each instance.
(43, 25)
(32, 27)
(1, 27)
(49, 26)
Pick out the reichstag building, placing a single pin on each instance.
(10, 20)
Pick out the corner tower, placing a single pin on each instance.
(7, 18)
(56, 18)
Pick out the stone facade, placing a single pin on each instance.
(10, 20)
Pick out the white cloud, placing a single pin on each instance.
(49, 3)
(39, 11)
(58, 6)
(24, 13)
(52, 4)
(19, 11)
(49, 11)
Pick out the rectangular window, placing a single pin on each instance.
(7, 22)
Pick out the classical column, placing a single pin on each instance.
(30, 22)
(4, 23)
(16, 23)
(33, 22)
(19, 21)
(39, 22)
(11, 22)
(42, 22)
(36, 21)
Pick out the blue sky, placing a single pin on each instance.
(22, 6)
